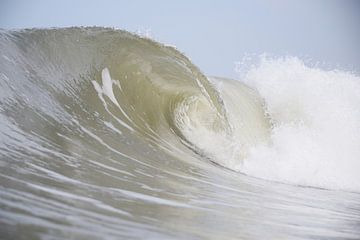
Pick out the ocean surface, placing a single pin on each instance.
(108, 135)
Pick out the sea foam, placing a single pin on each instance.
(315, 117)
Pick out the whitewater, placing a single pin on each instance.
(108, 135)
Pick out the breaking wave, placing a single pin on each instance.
(90, 113)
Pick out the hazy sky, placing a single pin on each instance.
(214, 34)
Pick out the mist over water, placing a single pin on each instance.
(107, 135)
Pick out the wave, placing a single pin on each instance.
(93, 118)
(294, 124)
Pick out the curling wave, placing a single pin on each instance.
(93, 118)
(295, 124)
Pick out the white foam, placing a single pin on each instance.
(315, 138)
(107, 90)
(107, 86)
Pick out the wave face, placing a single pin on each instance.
(105, 134)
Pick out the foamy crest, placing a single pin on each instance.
(315, 116)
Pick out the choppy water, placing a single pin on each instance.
(106, 135)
